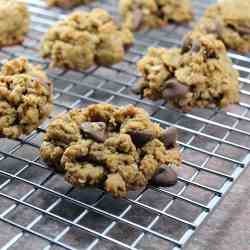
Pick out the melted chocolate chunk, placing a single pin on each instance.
(216, 28)
(138, 18)
(140, 138)
(189, 45)
(166, 177)
(210, 54)
(138, 88)
(67, 4)
(174, 89)
(94, 130)
(169, 138)
(196, 46)
(243, 30)
(186, 46)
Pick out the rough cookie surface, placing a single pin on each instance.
(67, 3)
(85, 39)
(25, 98)
(14, 22)
(229, 21)
(116, 148)
(199, 74)
(141, 14)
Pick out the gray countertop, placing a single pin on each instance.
(229, 226)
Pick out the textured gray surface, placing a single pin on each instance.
(229, 226)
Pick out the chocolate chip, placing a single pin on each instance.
(166, 177)
(174, 89)
(161, 14)
(97, 118)
(243, 30)
(139, 138)
(127, 46)
(66, 4)
(137, 18)
(138, 88)
(81, 158)
(169, 138)
(216, 28)
(189, 45)
(94, 130)
(210, 54)
(196, 46)
(185, 47)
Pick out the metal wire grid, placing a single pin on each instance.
(38, 210)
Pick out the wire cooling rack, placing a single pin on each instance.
(38, 210)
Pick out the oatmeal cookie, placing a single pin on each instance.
(229, 21)
(67, 3)
(140, 14)
(85, 39)
(25, 98)
(14, 22)
(115, 148)
(199, 74)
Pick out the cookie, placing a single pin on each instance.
(25, 98)
(67, 3)
(229, 21)
(200, 74)
(139, 14)
(14, 22)
(85, 39)
(115, 148)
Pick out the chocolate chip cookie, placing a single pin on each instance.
(25, 98)
(14, 22)
(199, 74)
(84, 39)
(140, 14)
(229, 21)
(67, 3)
(115, 148)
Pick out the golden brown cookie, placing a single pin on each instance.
(200, 74)
(115, 148)
(25, 98)
(229, 21)
(85, 39)
(14, 22)
(140, 14)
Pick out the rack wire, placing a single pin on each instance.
(38, 210)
